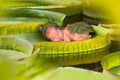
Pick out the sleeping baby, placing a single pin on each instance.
(72, 32)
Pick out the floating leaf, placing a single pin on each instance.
(70, 73)
(111, 63)
(33, 13)
(13, 55)
(20, 21)
(17, 44)
(68, 7)
(75, 52)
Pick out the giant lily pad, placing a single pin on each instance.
(70, 73)
(75, 52)
(114, 31)
(13, 55)
(19, 21)
(16, 44)
(18, 14)
(111, 63)
(69, 7)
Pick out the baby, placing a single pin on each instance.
(72, 32)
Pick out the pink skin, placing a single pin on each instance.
(55, 34)
(81, 36)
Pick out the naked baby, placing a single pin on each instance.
(72, 32)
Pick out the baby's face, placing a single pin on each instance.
(54, 34)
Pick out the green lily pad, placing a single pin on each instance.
(115, 70)
(111, 63)
(68, 7)
(18, 15)
(75, 52)
(13, 55)
(16, 44)
(32, 37)
(71, 73)
(17, 20)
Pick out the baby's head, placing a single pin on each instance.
(53, 33)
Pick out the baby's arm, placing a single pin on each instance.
(66, 39)
(74, 36)
(66, 35)
(81, 36)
